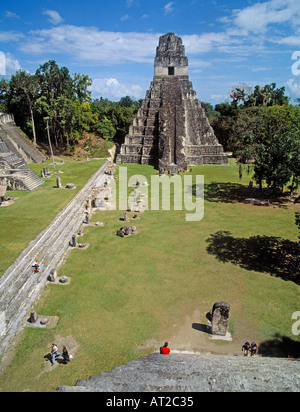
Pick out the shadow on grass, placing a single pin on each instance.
(281, 347)
(267, 254)
(238, 193)
(229, 192)
(201, 327)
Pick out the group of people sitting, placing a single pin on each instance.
(247, 348)
(55, 353)
(250, 348)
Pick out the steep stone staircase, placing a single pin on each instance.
(17, 143)
(22, 179)
(15, 152)
(15, 172)
(196, 372)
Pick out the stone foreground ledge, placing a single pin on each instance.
(196, 372)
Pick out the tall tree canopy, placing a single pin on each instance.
(54, 102)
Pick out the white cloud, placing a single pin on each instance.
(293, 40)
(11, 15)
(12, 64)
(11, 35)
(259, 69)
(91, 45)
(168, 8)
(54, 17)
(243, 36)
(8, 64)
(125, 18)
(258, 17)
(294, 87)
(196, 44)
(111, 88)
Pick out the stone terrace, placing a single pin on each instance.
(195, 372)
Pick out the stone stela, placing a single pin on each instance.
(219, 318)
(171, 130)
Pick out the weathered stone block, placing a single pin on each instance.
(33, 317)
(52, 276)
(219, 316)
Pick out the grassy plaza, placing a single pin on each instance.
(129, 295)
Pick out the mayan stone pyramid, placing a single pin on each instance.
(171, 131)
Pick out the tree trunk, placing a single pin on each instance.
(48, 133)
(33, 126)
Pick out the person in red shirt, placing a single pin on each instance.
(164, 350)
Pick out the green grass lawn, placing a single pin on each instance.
(127, 292)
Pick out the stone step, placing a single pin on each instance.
(10, 134)
(195, 372)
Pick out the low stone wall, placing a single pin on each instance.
(6, 118)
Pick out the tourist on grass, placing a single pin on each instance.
(65, 355)
(54, 353)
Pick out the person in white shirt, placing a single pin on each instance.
(54, 353)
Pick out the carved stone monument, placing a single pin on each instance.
(58, 182)
(171, 130)
(73, 242)
(33, 317)
(219, 317)
(52, 276)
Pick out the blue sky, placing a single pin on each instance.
(227, 42)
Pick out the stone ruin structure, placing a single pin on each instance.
(171, 130)
(100, 195)
(15, 152)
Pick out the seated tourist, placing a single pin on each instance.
(253, 349)
(164, 350)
